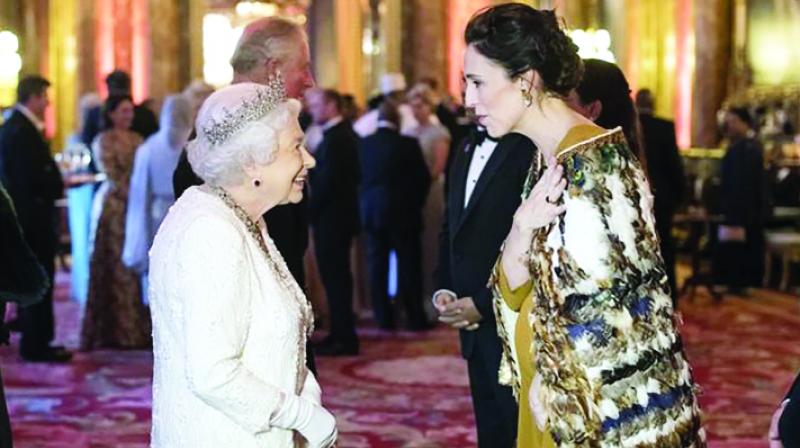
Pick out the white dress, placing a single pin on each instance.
(227, 337)
(150, 196)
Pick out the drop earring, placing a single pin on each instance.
(527, 97)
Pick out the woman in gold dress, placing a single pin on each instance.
(115, 315)
(594, 352)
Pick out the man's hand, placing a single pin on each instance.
(461, 314)
(442, 299)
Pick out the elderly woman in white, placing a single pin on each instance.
(229, 321)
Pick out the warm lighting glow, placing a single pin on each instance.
(140, 54)
(223, 27)
(459, 13)
(593, 44)
(256, 9)
(219, 42)
(368, 46)
(772, 33)
(684, 48)
(8, 42)
(10, 64)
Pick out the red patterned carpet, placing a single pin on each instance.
(406, 390)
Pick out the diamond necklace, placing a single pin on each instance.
(279, 268)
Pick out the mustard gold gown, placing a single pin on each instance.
(596, 320)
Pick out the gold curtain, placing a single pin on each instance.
(349, 27)
(62, 68)
(650, 49)
(392, 34)
(165, 40)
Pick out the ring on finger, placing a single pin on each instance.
(549, 201)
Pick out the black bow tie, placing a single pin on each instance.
(481, 136)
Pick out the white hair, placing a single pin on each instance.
(271, 38)
(254, 144)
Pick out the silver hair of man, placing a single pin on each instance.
(270, 39)
(223, 165)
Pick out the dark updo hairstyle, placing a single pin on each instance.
(111, 104)
(520, 38)
(603, 81)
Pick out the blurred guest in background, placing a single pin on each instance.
(739, 254)
(394, 185)
(151, 193)
(434, 139)
(350, 109)
(333, 213)
(86, 104)
(144, 120)
(115, 316)
(196, 92)
(32, 179)
(22, 281)
(665, 169)
(603, 96)
(393, 88)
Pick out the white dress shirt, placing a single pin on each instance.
(479, 160)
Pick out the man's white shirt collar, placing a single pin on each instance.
(39, 124)
(332, 122)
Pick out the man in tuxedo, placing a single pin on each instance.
(267, 47)
(665, 169)
(486, 182)
(32, 179)
(333, 212)
(394, 185)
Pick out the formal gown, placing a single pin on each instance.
(433, 213)
(115, 316)
(229, 329)
(596, 322)
(151, 195)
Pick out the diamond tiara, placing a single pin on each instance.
(265, 100)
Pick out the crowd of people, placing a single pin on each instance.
(530, 225)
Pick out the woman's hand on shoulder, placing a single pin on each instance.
(544, 203)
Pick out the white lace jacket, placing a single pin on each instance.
(227, 339)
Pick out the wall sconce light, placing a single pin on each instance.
(10, 65)
(593, 44)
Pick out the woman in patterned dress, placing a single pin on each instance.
(115, 316)
(594, 352)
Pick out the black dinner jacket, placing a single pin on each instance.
(394, 181)
(664, 165)
(789, 423)
(333, 202)
(471, 237)
(33, 181)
